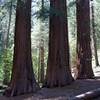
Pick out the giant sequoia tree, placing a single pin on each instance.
(84, 55)
(22, 79)
(58, 70)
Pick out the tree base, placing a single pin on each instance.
(9, 92)
(56, 84)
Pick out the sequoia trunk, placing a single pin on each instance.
(84, 55)
(58, 70)
(22, 79)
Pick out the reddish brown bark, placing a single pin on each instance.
(84, 56)
(22, 79)
(58, 70)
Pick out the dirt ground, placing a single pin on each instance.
(64, 93)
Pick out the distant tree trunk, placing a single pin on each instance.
(9, 24)
(22, 79)
(42, 6)
(39, 65)
(84, 55)
(94, 35)
(58, 69)
(1, 43)
(41, 58)
(6, 70)
(41, 46)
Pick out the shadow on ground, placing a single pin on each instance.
(64, 93)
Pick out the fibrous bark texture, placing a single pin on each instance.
(22, 79)
(58, 70)
(84, 55)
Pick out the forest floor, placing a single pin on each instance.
(65, 93)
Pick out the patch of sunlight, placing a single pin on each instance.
(83, 95)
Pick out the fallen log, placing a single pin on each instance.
(90, 95)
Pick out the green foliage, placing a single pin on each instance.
(6, 52)
(40, 30)
(72, 18)
(7, 65)
(1, 68)
(35, 59)
(42, 14)
(97, 21)
(35, 62)
(72, 3)
(72, 52)
(72, 30)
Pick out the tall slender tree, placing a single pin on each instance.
(58, 69)
(84, 55)
(6, 68)
(22, 79)
(41, 44)
(1, 46)
(41, 61)
(94, 34)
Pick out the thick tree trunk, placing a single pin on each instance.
(94, 36)
(58, 70)
(84, 55)
(22, 79)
